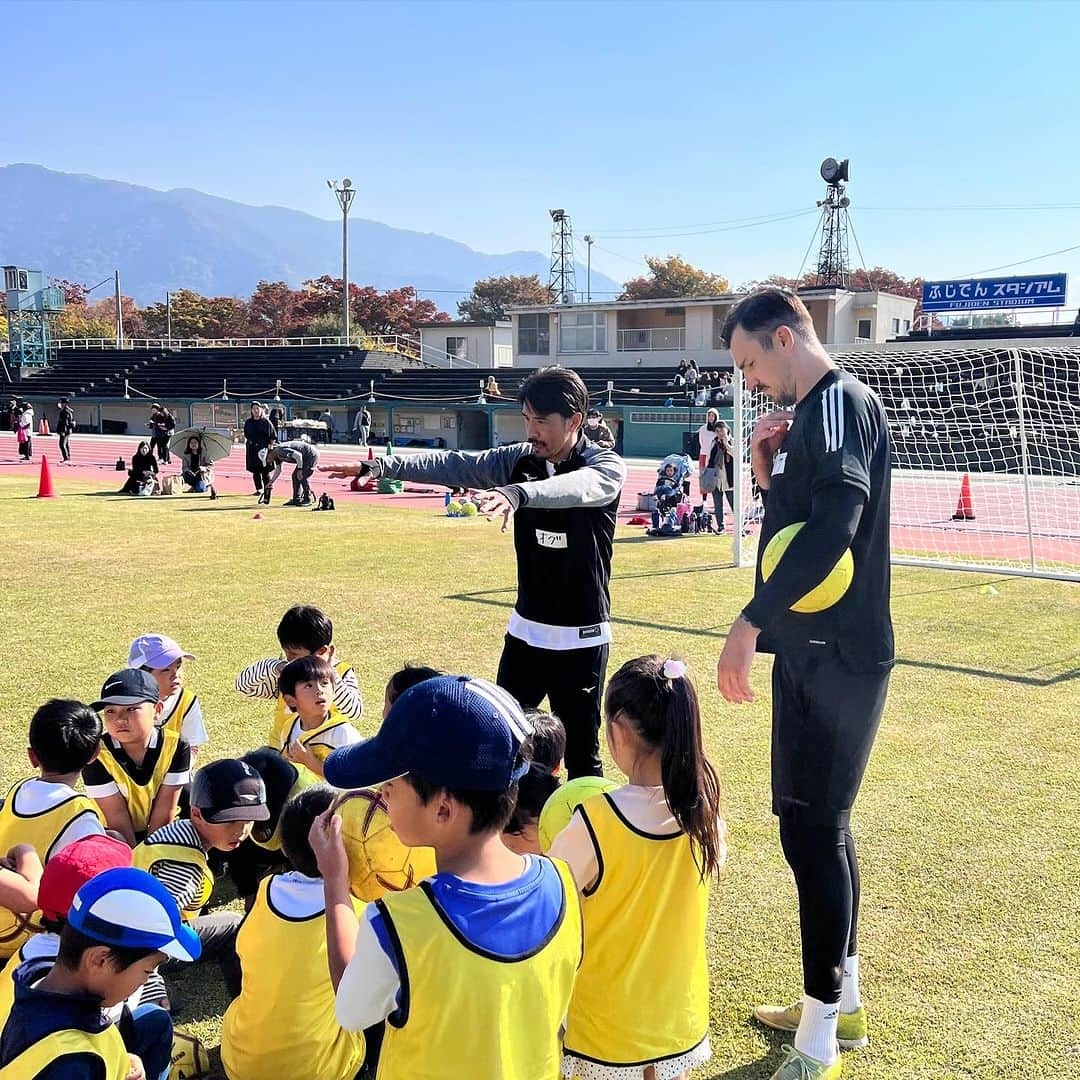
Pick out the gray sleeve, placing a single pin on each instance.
(453, 468)
(597, 484)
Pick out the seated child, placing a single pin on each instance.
(142, 768)
(538, 784)
(643, 856)
(45, 811)
(314, 727)
(493, 935)
(403, 680)
(261, 854)
(227, 798)
(145, 1030)
(282, 1025)
(303, 631)
(180, 707)
(121, 925)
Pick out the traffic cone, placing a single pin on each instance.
(965, 507)
(45, 484)
(371, 453)
(389, 449)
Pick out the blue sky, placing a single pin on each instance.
(473, 119)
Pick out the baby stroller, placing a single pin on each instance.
(672, 488)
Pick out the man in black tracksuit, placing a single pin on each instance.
(825, 464)
(65, 425)
(562, 492)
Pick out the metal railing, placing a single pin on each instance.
(405, 344)
(651, 339)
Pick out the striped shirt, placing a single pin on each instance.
(260, 680)
(183, 880)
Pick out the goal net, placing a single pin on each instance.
(986, 456)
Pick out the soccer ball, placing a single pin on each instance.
(378, 861)
(189, 1059)
(562, 802)
(824, 595)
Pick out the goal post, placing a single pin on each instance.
(985, 456)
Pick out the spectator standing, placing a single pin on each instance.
(362, 426)
(327, 417)
(258, 435)
(65, 425)
(162, 424)
(25, 429)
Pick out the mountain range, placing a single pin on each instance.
(82, 228)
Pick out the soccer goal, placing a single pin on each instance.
(986, 456)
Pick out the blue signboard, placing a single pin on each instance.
(989, 294)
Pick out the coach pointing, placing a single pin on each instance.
(825, 464)
(562, 492)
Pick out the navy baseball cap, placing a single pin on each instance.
(129, 908)
(128, 687)
(453, 731)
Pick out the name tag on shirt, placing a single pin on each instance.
(779, 462)
(550, 539)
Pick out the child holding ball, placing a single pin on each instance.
(642, 857)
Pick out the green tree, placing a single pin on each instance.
(490, 297)
(673, 277)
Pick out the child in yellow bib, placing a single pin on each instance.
(312, 728)
(46, 812)
(642, 856)
(142, 768)
(181, 710)
(472, 970)
(282, 1025)
(121, 925)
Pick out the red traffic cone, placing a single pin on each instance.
(370, 454)
(965, 507)
(45, 485)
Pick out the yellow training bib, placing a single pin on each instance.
(106, 1045)
(140, 797)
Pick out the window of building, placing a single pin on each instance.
(582, 331)
(864, 329)
(896, 326)
(534, 337)
(457, 347)
(907, 326)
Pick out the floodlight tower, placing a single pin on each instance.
(31, 304)
(561, 281)
(344, 193)
(832, 266)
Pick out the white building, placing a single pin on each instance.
(472, 344)
(658, 333)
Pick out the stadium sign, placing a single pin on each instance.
(990, 294)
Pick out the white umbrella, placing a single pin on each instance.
(215, 445)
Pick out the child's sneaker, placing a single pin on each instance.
(798, 1066)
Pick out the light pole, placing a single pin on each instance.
(344, 193)
(588, 269)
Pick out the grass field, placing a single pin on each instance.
(970, 928)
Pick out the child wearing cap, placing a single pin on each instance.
(473, 969)
(227, 798)
(314, 727)
(303, 631)
(121, 925)
(146, 1029)
(142, 768)
(46, 811)
(282, 1024)
(180, 707)
(538, 784)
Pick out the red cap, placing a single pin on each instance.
(73, 866)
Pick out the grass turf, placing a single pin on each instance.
(970, 865)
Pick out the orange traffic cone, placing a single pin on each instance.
(965, 508)
(370, 454)
(45, 484)
(43, 427)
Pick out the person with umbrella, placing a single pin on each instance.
(258, 435)
(304, 456)
(198, 449)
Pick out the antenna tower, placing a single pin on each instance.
(561, 281)
(833, 268)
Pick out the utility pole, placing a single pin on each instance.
(119, 313)
(588, 269)
(344, 193)
(168, 318)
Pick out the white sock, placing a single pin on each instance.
(816, 1037)
(849, 988)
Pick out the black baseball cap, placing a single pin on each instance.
(229, 790)
(130, 686)
(453, 731)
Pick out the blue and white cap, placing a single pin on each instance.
(453, 731)
(129, 908)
